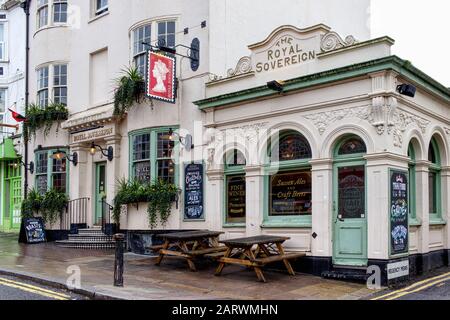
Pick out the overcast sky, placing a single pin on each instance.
(421, 30)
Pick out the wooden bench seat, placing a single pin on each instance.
(287, 256)
(202, 252)
(156, 247)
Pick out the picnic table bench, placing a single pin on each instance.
(190, 245)
(268, 249)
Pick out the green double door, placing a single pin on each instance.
(350, 215)
(12, 198)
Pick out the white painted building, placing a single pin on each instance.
(334, 118)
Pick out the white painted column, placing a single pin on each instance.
(422, 204)
(112, 168)
(78, 174)
(445, 183)
(254, 190)
(322, 207)
(214, 199)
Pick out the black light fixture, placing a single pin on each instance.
(276, 85)
(60, 155)
(29, 167)
(185, 141)
(108, 153)
(407, 90)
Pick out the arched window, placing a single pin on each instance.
(235, 189)
(412, 183)
(291, 146)
(434, 181)
(352, 145)
(289, 181)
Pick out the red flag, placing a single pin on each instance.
(17, 116)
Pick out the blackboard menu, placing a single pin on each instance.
(193, 191)
(399, 212)
(34, 230)
(290, 193)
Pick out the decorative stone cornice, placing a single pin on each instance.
(243, 66)
(333, 41)
(90, 118)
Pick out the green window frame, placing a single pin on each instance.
(301, 156)
(434, 183)
(51, 173)
(153, 150)
(234, 167)
(412, 186)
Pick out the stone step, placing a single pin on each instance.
(90, 238)
(86, 245)
(90, 231)
(348, 275)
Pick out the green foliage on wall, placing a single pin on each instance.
(50, 205)
(44, 117)
(159, 195)
(130, 88)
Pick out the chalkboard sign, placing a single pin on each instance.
(33, 230)
(193, 191)
(399, 212)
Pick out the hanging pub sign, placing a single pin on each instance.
(193, 191)
(399, 212)
(32, 230)
(161, 77)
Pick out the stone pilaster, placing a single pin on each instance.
(422, 205)
(254, 185)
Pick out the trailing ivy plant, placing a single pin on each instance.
(43, 117)
(159, 196)
(31, 205)
(130, 88)
(53, 204)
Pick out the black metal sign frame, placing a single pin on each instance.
(194, 191)
(398, 212)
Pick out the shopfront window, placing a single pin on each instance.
(235, 189)
(152, 156)
(50, 173)
(434, 181)
(289, 182)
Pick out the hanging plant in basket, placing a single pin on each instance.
(44, 117)
(129, 90)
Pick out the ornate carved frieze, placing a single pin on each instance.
(332, 41)
(323, 120)
(243, 66)
(402, 120)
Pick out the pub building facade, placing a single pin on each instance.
(306, 135)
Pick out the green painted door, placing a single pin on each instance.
(15, 196)
(100, 191)
(350, 215)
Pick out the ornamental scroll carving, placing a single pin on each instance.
(332, 41)
(243, 66)
(247, 134)
(402, 120)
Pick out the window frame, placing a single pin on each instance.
(286, 166)
(166, 34)
(3, 43)
(412, 208)
(59, 86)
(59, 3)
(435, 168)
(5, 91)
(98, 11)
(42, 88)
(39, 10)
(232, 170)
(153, 153)
(49, 171)
(136, 54)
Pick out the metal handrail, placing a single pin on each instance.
(106, 214)
(75, 213)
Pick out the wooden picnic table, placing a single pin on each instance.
(268, 249)
(190, 245)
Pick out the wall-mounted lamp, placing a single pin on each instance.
(185, 141)
(29, 167)
(108, 153)
(60, 155)
(407, 90)
(276, 85)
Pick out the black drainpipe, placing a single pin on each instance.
(26, 7)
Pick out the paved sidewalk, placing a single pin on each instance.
(171, 281)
